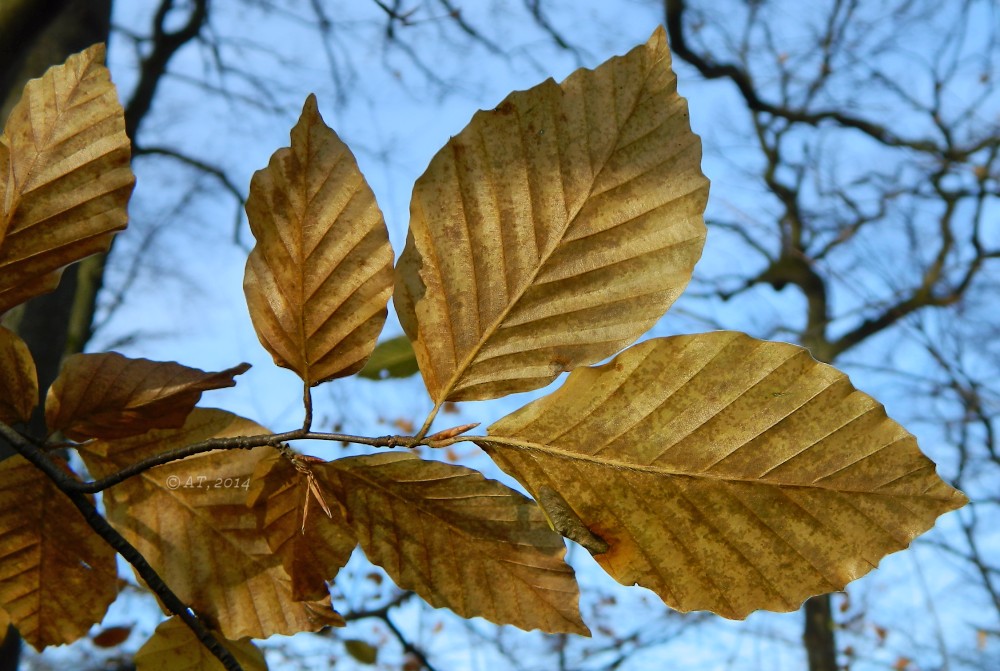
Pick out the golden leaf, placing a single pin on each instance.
(18, 379)
(319, 278)
(189, 519)
(49, 557)
(553, 230)
(65, 178)
(726, 473)
(313, 547)
(174, 647)
(111, 396)
(458, 540)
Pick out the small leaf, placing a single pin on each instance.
(174, 647)
(226, 571)
(362, 651)
(18, 379)
(458, 540)
(566, 522)
(553, 230)
(111, 637)
(65, 179)
(111, 396)
(312, 549)
(392, 358)
(725, 473)
(49, 557)
(319, 278)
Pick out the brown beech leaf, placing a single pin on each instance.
(189, 519)
(458, 540)
(49, 557)
(312, 545)
(319, 278)
(65, 178)
(553, 230)
(18, 379)
(174, 647)
(111, 396)
(111, 636)
(726, 473)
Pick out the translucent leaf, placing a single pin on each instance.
(111, 396)
(726, 473)
(553, 230)
(49, 557)
(319, 278)
(174, 647)
(392, 358)
(312, 545)
(226, 572)
(65, 179)
(18, 379)
(458, 540)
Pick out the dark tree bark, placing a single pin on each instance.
(34, 35)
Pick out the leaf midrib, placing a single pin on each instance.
(615, 464)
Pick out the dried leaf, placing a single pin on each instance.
(726, 473)
(553, 230)
(392, 358)
(311, 554)
(226, 571)
(49, 556)
(18, 379)
(65, 178)
(111, 637)
(174, 647)
(458, 540)
(319, 278)
(111, 396)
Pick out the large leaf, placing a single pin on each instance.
(319, 278)
(553, 230)
(111, 396)
(174, 647)
(65, 179)
(189, 519)
(18, 379)
(292, 513)
(726, 473)
(57, 577)
(458, 540)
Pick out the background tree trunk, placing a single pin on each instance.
(34, 35)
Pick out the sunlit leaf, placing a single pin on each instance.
(458, 540)
(312, 546)
(392, 358)
(111, 396)
(18, 379)
(174, 647)
(65, 179)
(553, 230)
(726, 473)
(49, 557)
(319, 278)
(226, 571)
